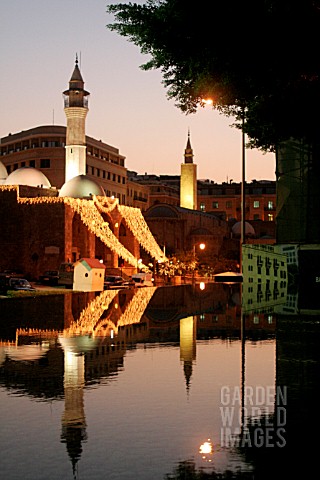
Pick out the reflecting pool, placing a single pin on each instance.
(176, 382)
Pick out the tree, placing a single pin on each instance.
(255, 56)
(183, 264)
(259, 62)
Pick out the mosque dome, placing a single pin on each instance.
(27, 176)
(81, 186)
(26, 352)
(3, 173)
(249, 230)
(79, 344)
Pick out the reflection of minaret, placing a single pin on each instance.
(73, 419)
(76, 109)
(188, 346)
(188, 179)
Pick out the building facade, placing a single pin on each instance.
(225, 199)
(43, 148)
(62, 153)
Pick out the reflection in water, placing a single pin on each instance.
(206, 450)
(90, 334)
(188, 346)
(73, 419)
(81, 337)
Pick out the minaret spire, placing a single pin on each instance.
(188, 153)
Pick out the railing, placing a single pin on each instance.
(82, 102)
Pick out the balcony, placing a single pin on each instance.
(139, 199)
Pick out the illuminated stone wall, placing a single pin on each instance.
(38, 236)
(179, 229)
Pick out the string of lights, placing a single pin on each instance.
(89, 317)
(105, 204)
(137, 306)
(91, 217)
(139, 227)
(89, 211)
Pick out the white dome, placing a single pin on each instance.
(249, 230)
(27, 352)
(27, 176)
(81, 186)
(3, 173)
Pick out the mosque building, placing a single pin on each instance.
(78, 209)
(62, 153)
(57, 175)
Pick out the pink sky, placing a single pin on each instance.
(128, 108)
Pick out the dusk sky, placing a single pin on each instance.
(128, 108)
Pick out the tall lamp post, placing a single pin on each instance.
(209, 101)
(202, 246)
(243, 193)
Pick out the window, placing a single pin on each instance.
(215, 204)
(256, 216)
(270, 217)
(32, 163)
(228, 204)
(45, 163)
(202, 207)
(270, 205)
(256, 204)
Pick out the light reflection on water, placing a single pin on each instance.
(126, 388)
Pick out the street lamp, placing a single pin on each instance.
(202, 246)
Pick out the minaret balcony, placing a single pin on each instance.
(81, 102)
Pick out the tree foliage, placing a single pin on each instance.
(257, 58)
(182, 264)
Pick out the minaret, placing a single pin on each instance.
(188, 179)
(188, 335)
(76, 109)
(73, 419)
